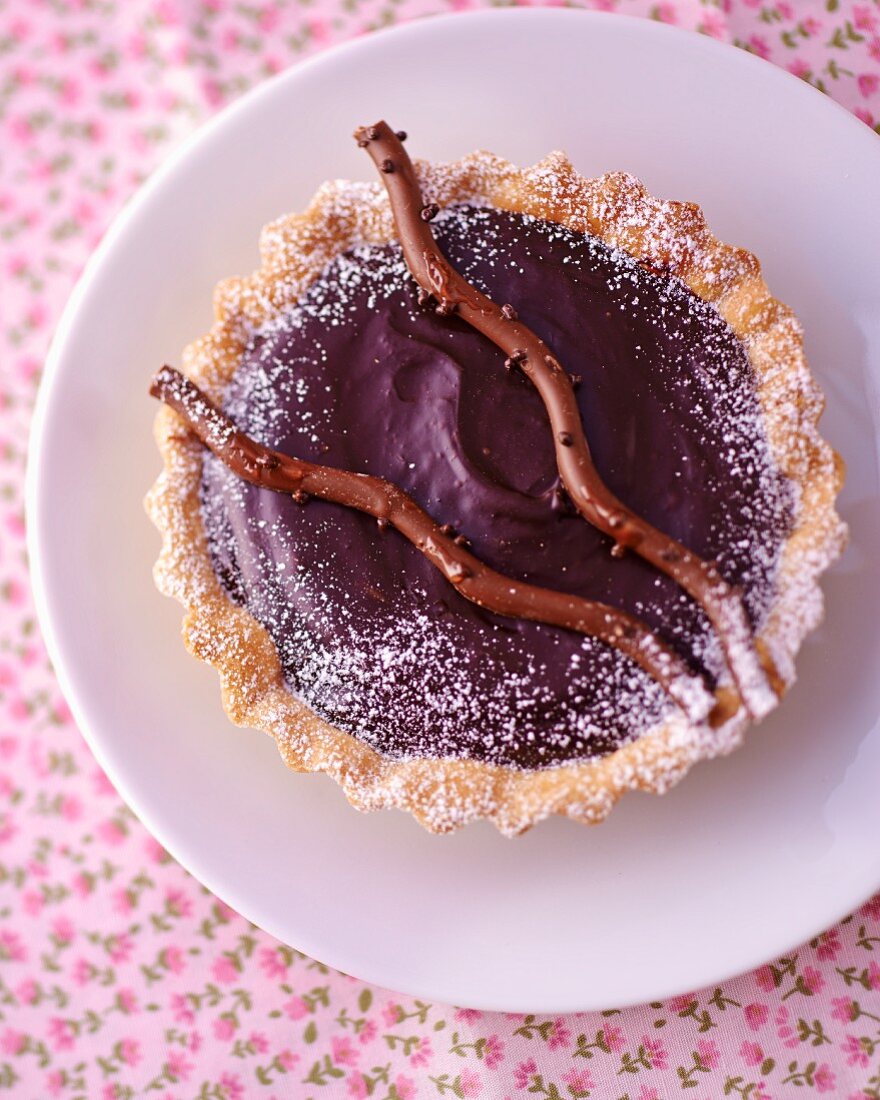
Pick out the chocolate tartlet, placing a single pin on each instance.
(549, 529)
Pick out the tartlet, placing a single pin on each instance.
(359, 651)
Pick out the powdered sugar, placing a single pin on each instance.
(662, 236)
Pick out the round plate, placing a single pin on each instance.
(751, 854)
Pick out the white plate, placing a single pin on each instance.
(750, 855)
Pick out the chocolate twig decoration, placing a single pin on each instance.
(475, 581)
(451, 292)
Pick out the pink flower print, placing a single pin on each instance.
(180, 1009)
(69, 91)
(368, 1032)
(785, 9)
(824, 1079)
(648, 1093)
(212, 92)
(18, 29)
(764, 979)
(11, 946)
(268, 19)
(868, 83)
(784, 1029)
(422, 1054)
(55, 1082)
(35, 316)
(178, 1066)
(357, 1086)
(224, 1027)
(579, 1080)
(136, 45)
(813, 980)
(111, 832)
(666, 13)
(760, 1093)
(406, 1087)
(524, 1073)
(228, 39)
(130, 1052)
(258, 1041)
(19, 130)
(800, 68)
(467, 1015)
(471, 1083)
(656, 1052)
(81, 885)
(121, 947)
(12, 1042)
(166, 12)
(856, 1055)
(493, 1052)
(232, 1086)
(845, 1009)
(15, 265)
(759, 46)
(81, 972)
(864, 17)
(296, 1008)
(225, 971)
(863, 115)
(26, 992)
(177, 902)
(614, 1039)
(272, 963)
(559, 1035)
(828, 946)
(319, 29)
(391, 1013)
(63, 930)
(127, 1000)
(28, 367)
(71, 807)
(871, 908)
(680, 1003)
(756, 1015)
(344, 1053)
(751, 1053)
(174, 959)
(709, 1053)
(60, 1034)
(32, 902)
(100, 783)
(121, 901)
(154, 851)
(8, 829)
(288, 1059)
(811, 26)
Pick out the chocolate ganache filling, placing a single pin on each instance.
(356, 376)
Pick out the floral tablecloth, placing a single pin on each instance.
(119, 975)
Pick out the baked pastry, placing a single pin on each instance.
(596, 432)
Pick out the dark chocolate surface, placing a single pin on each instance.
(358, 376)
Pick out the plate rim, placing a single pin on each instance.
(150, 814)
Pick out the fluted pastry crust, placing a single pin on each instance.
(663, 236)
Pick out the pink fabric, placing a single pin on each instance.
(120, 976)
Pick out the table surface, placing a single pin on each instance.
(119, 975)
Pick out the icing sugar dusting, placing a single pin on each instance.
(664, 236)
(414, 683)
